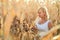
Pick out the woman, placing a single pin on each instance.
(43, 24)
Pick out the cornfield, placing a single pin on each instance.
(17, 17)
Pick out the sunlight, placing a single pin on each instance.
(17, 0)
(26, 1)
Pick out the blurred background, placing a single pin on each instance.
(26, 10)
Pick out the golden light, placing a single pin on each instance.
(0, 3)
(27, 10)
(9, 0)
(27, 1)
(52, 2)
(56, 37)
(35, 0)
(17, 0)
(41, 2)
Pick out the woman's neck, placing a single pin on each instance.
(43, 20)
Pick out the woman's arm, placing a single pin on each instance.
(50, 25)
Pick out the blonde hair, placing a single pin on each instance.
(45, 10)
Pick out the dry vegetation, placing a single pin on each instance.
(19, 17)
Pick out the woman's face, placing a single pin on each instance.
(41, 14)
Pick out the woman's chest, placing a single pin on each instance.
(43, 26)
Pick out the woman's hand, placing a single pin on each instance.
(50, 25)
(34, 28)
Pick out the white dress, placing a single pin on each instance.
(43, 28)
